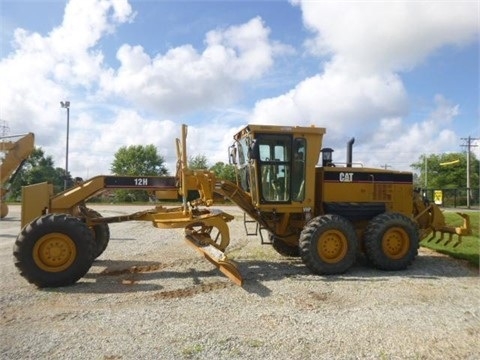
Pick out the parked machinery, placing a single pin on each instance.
(15, 149)
(326, 214)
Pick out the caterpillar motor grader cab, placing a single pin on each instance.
(325, 214)
(328, 214)
(15, 154)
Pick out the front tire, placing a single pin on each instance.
(284, 248)
(101, 233)
(391, 241)
(54, 250)
(328, 244)
(3, 209)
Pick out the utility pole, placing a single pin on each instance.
(426, 171)
(468, 145)
(385, 166)
(66, 105)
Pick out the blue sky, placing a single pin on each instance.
(400, 77)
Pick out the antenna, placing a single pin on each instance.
(4, 128)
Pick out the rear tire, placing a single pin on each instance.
(54, 250)
(391, 241)
(328, 244)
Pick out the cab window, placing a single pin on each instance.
(274, 158)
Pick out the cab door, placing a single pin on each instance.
(274, 172)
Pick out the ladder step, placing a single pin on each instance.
(248, 231)
(257, 229)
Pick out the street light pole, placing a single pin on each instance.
(66, 105)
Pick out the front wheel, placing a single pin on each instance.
(328, 244)
(3, 209)
(391, 241)
(101, 233)
(284, 248)
(54, 250)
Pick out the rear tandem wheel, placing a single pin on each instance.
(328, 244)
(391, 241)
(54, 250)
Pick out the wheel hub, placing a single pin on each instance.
(54, 252)
(395, 243)
(332, 246)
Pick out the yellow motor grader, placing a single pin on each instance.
(326, 214)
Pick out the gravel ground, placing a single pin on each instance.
(176, 305)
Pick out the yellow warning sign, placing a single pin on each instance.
(438, 197)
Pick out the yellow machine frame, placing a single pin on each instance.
(39, 200)
(322, 213)
(327, 188)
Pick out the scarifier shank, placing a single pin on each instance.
(431, 220)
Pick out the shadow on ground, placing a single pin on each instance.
(112, 276)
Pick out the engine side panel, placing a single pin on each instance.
(363, 187)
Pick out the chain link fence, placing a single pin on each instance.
(453, 197)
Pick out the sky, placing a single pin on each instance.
(402, 77)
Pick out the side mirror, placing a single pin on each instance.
(253, 151)
(232, 155)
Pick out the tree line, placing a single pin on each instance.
(446, 171)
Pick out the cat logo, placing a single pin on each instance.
(346, 177)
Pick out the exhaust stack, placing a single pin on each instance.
(349, 151)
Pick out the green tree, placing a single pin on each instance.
(445, 172)
(224, 171)
(137, 160)
(198, 162)
(220, 169)
(38, 168)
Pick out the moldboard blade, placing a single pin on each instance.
(217, 258)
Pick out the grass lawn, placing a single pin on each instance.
(469, 249)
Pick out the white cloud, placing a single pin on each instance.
(399, 144)
(44, 69)
(184, 79)
(387, 36)
(336, 100)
